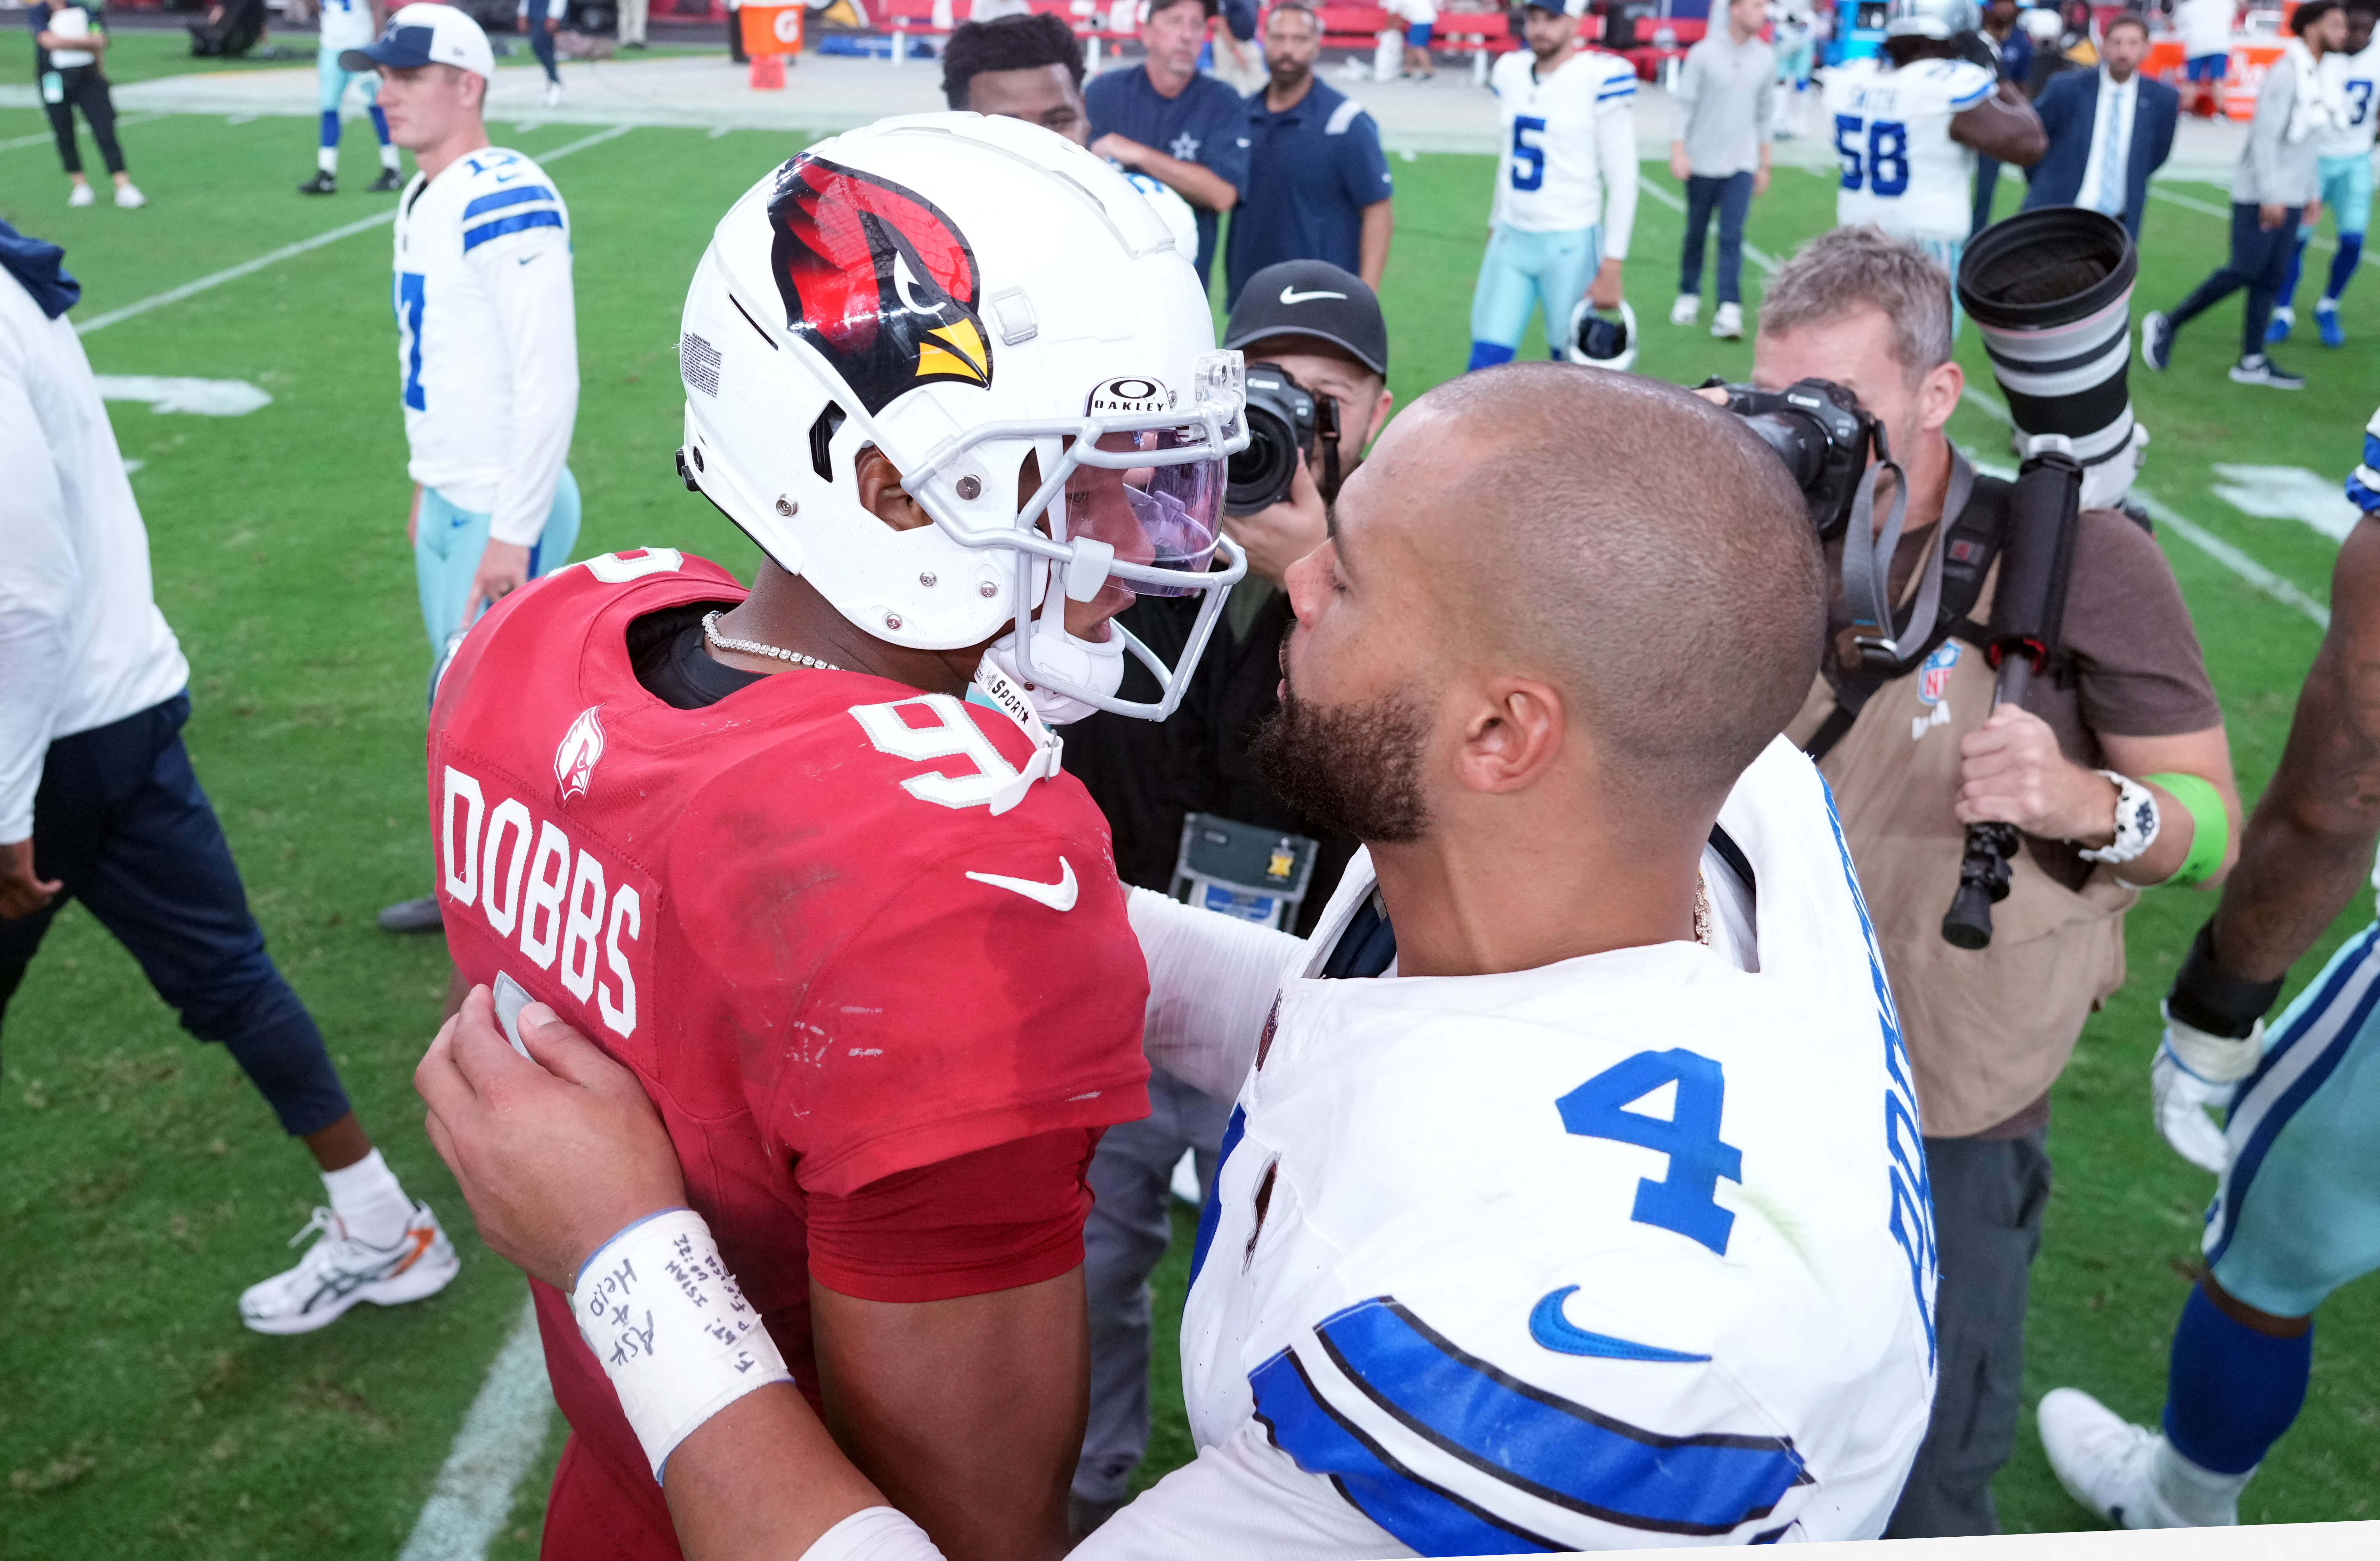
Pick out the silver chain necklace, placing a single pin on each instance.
(754, 648)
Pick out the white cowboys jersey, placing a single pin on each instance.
(1902, 170)
(346, 24)
(486, 337)
(2354, 78)
(1632, 1250)
(1565, 140)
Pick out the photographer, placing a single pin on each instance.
(1916, 752)
(1322, 327)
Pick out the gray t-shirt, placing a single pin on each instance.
(2274, 170)
(1724, 96)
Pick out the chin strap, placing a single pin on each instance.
(1001, 692)
(1867, 564)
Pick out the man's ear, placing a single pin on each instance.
(1380, 411)
(1938, 396)
(880, 492)
(1512, 738)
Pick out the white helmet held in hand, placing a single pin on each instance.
(1602, 338)
(1011, 324)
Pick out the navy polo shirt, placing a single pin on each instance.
(1202, 126)
(1312, 169)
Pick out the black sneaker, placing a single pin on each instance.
(413, 916)
(389, 183)
(321, 184)
(2157, 340)
(2258, 369)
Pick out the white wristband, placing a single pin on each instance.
(673, 1329)
(874, 1533)
(2137, 822)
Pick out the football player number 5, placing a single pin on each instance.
(1528, 157)
(1683, 1199)
(1884, 168)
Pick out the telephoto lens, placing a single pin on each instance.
(2052, 292)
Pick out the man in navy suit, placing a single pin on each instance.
(2109, 128)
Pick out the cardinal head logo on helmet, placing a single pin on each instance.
(878, 279)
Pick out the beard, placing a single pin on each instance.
(1352, 770)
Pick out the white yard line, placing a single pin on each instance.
(500, 1437)
(1767, 263)
(46, 138)
(2190, 531)
(2192, 203)
(288, 252)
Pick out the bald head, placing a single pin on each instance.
(1638, 549)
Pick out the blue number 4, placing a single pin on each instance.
(1683, 1199)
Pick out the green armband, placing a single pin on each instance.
(2214, 832)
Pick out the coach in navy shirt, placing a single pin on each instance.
(1164, 119)
(1317, 185)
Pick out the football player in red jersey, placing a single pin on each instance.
(803, 857)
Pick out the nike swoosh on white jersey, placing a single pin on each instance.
(1291, 295)
(1059, 895)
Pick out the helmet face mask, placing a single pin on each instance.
(1009, 325)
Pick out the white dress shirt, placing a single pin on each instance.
(2111, 139)
(81, 642)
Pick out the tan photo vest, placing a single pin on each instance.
(1988, 1029)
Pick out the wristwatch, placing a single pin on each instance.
(2136, 822)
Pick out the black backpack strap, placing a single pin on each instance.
(1969, 552)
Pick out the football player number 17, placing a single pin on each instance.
(1683, 1199)
(1884, 167)
(1528, 156)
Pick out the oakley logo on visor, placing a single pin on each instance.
(878, 279)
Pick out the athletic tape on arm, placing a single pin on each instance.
(874, 1533)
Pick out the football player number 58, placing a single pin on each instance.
(1884, 168)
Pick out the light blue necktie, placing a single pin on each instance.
(2111, 156)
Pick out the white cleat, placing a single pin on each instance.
(1728, 323)
(339, 1270)
(82, 195)
(553, 95)
(2128, 1474)
(128, 197)
(1683, 313)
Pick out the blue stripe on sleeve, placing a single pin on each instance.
(1561, 1452)
(1212, 1214)
(516, 223)
(1625, 89)
(503, 198)
(1959, 105)
(1427, 1518)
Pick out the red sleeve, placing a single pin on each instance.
(961, 1014)
(997, 1219)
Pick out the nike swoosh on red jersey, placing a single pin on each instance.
(1058, 896)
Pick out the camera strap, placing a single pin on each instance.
(1867, 564)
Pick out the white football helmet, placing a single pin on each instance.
(1930, 19)
(1011, 324)
(1602, 338)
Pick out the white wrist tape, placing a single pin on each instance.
(874, 1533)
(2218, 1059)
(677, 1337)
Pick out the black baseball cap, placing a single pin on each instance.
(1311, 297)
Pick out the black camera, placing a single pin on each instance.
(1823, 435)
(1284, 418)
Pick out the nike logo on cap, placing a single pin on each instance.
(1291, 295)
(1059, 895)
(1551, 1329)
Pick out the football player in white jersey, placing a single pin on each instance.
(349, 24)
(2343, 167)
(1573, 1197)
(1565, 184)
(486, 339)
(1909, 121)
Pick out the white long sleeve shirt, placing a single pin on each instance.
(486, 337)
(81, 640)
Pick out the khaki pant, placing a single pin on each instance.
(632, 21)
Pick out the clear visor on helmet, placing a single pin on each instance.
(1162, 520)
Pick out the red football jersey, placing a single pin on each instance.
(792, 913)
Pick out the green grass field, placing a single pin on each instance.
(147, 1183)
